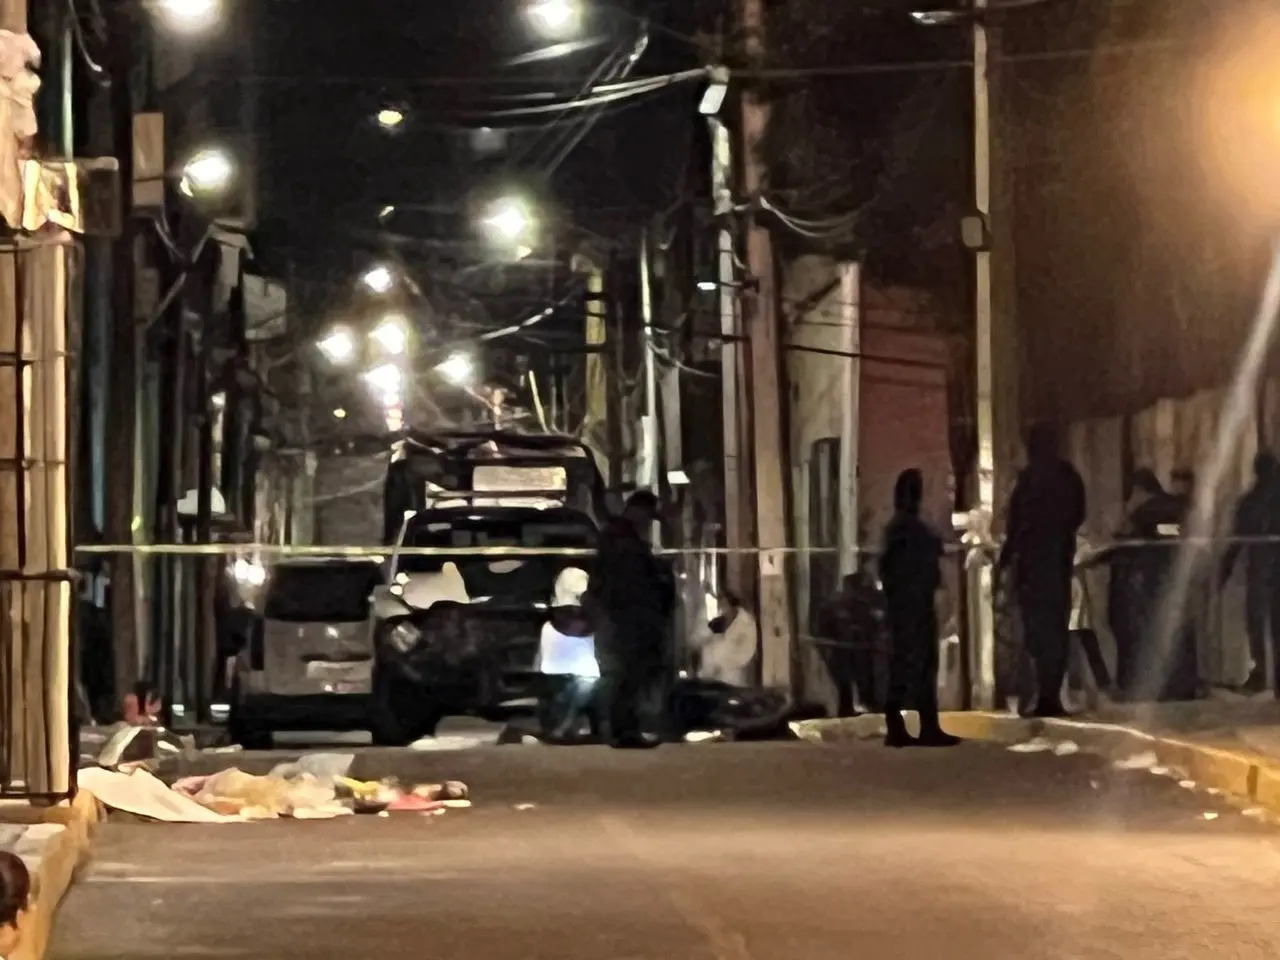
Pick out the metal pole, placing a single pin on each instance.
(760, 320)
(981, 573)
(736, 505)
(650, 380)
(850, 434)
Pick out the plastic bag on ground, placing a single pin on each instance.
(233, 791)
(322, 766)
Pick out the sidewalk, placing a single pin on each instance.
(1230, 746)
(54, 843)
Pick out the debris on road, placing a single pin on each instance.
(313, 787)
(1067, 748)
(1034, 745)
(1139, 761)
(526, 806)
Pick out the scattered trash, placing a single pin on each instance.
(1095, 784)
(1067, 748)
(1139, 761)
(1210, 814)
(703, 736)
(313, 787)
(322, 766)
(1035, 745)
(526, 806)
(1187, 784)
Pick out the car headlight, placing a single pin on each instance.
(403, 637)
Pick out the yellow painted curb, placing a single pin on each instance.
(66, 853)
(1236, 772)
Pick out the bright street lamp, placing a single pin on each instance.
(339, 346)
(554, 16)
(387, 381)
(207, 172)
(389, 118)
(458, 369)
(378, 279)
(190, 16)
(508, 221)
(391, 334)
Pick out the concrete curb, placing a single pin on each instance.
(1237, 772)
(60, 857)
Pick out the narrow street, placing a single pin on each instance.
(740, 852)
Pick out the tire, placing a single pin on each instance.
(396, 718)
(251, 736)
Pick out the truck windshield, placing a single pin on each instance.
(492, 531)
(315, 593)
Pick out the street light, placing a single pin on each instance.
(508, 221)
(391, 334)
(190, 16)
(208, 172)
(339, 346)
(386, 380)
(389, 118)
(379, 279)
(554, 17)
(458, 369)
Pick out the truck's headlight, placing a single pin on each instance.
(403, 637)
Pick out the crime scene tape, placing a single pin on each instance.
(376, 552)
(1093, 552)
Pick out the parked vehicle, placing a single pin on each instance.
(306, 657)
(457, 632)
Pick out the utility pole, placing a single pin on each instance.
(760, 321)
(121, 422)
(733, 408)
(650, 432)
(997, 360)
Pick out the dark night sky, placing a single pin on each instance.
(326, 66)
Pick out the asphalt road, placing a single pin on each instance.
(716, 852)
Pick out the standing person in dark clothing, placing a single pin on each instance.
(910, 572)
(1046, 512)
(1258, 516)
(632, 594)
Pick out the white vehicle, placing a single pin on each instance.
(306, 662)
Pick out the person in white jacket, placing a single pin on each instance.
(728, 645)
(567, 657)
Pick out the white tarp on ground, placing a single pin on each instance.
(144, 795)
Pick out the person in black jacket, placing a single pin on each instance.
(1258, 520)
(632, 594)
(1046, 512)
(911, 575)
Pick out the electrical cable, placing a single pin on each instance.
(97, 72)
(606, 71)
(570, 143)
(637, 89)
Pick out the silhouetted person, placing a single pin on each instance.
(909, 571)
(1046, 511)
(853, 620)
(632, 593)
(1258, 516)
